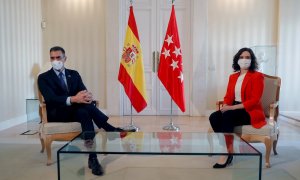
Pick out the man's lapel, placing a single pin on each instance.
(56, 80)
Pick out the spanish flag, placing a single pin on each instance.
(131, 73)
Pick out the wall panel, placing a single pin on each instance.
(79, 27)
(20, 57)
(289, 55)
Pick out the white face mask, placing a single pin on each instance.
(244, 63)
(57, 65)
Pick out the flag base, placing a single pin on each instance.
(171, 127)
(131, 127)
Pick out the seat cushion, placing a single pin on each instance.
(266, 130)
(60, 127)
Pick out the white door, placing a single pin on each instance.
(152, 17)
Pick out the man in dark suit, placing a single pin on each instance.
(68, 100)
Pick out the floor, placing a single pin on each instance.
(23, 160)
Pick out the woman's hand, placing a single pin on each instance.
(226, 108)
(231, 107)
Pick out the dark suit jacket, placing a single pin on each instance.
(55, 96)
(251, 93)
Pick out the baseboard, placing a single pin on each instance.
(291, 114)
(293, 122)
(13, 122)
(209, 112)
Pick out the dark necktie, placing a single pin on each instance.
(62, 81)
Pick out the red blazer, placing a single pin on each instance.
(251, 93)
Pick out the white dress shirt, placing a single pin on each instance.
(238, 87)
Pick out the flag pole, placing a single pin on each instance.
(131, 126)
(171, 126)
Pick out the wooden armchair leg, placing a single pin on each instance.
(48, 143)
(275, 145)
(104, 140)
(268, 144)
(42, 143)
(210, 140)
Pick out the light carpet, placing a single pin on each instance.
(24, 161)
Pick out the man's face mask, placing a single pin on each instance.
(57, 65)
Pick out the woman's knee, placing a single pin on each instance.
(215, 120)
(215, 116)
(228, 114)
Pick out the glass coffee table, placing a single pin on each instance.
(247, 164)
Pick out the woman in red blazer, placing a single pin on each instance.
(242, 102)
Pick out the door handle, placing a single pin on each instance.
(157, 60)
(153, 61)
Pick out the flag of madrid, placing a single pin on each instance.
(170, 69)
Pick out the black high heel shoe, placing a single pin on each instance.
(228, 162)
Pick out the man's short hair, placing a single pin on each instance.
(57, 48)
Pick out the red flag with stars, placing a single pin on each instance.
(170, 70)
(169, 141)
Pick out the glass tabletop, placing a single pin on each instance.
(164, 143)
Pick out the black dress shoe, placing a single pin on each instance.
(95, 166)
(123, 130)
(89, 143)
(228, 162)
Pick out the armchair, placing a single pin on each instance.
(55, 131)
(269, 133)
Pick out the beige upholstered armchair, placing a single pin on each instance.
(54, 131)
(269, 133)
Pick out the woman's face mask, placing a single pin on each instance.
(244, 63)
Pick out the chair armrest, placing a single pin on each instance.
(43, 113)
(273, 109)
(274, 105)
(219, 104)
(95, 103)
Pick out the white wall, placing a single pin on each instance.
(233, 24)
(20, 57)
(79, 27)
(289, 56)
(113, 52)
(230, 25)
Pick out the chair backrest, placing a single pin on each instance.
(40, 97)
(271, 94)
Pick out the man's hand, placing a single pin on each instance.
(84, 97)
